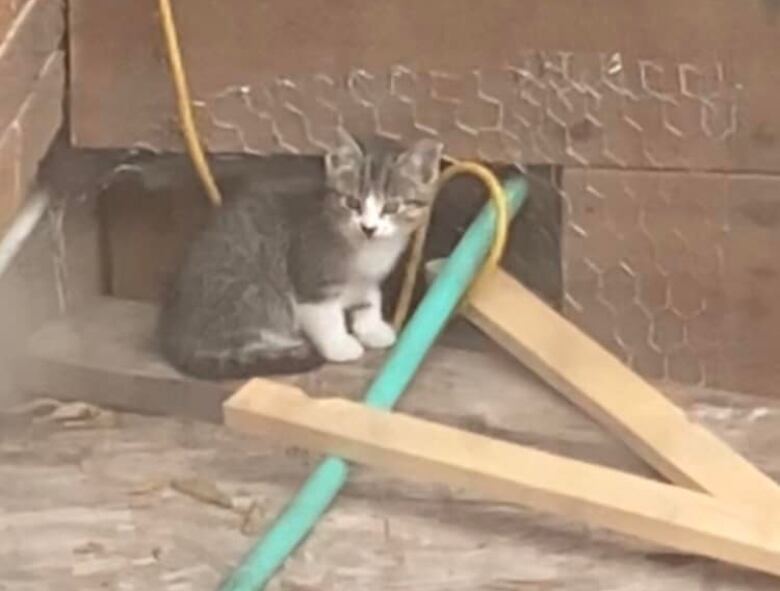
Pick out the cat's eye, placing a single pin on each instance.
(416, 203)
(352, 202)
(391, 207)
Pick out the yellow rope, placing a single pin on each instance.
(497, 195)
(184, 101)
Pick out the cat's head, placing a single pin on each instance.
(380, 188)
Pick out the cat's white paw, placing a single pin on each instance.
(343, 349)
(375, 334)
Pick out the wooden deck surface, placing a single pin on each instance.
(115, 507)
(123, 501)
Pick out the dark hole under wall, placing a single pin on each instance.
(151, 209)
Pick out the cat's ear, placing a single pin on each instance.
(421, 162)
(343, 163)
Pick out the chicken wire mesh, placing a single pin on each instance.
(618, 139)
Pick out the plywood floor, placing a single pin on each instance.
(89, 508)
(115, 506)
(111, 502)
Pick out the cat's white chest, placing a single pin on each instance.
(376, 258)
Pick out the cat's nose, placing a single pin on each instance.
(369, 231)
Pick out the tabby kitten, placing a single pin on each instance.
(282, 280)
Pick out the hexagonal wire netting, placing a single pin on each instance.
(622, 130)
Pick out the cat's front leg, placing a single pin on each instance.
(325, 325)
(367, 322)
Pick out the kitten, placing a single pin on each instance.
(282, 280)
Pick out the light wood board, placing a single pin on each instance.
(628, 406)
(410, 447)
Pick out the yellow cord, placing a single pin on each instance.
(185, 104)
(497, 195)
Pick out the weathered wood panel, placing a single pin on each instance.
(32, 70)
(677, 273)
(8, 11)
(644, 84)
(29, 42)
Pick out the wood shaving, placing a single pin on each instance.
(71, 415)
(202, 490)
(150, 486)
(252, 519)
(89, 548)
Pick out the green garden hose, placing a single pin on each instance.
(425, 325)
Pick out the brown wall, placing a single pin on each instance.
(662, 113)
(705, 57)
(58, 268)
(9, 9)
(32, 70)
(678, 273)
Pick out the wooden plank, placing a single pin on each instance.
(422, 450)
(31, 42)
(9, 9)
(676, 273)
(596, 381)
(687, 64)
(104, 354)
(32, 68)
(24, 144)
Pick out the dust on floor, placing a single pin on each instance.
(94, 500)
